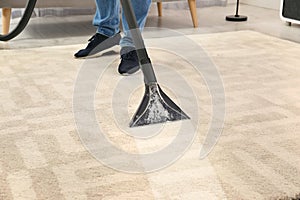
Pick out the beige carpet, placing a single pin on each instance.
(257, 156)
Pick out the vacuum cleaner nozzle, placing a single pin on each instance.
(156, 107)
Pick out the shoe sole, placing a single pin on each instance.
(131, 72)
(105, 45)
(101, 53)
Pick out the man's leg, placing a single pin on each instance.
(107, 18)
(129, 63)
(141, 9)
(107, 21)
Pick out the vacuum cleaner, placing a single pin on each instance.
(156, 106)
(22, 23)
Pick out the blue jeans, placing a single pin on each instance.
(107, 18)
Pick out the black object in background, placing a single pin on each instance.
(236, 17)
(291, 9)
(22, 23)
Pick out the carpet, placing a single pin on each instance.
(256, 157)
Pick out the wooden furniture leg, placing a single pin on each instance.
(193, 9)
(159, 8)
(6, 15)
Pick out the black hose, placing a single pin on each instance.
(23, 22)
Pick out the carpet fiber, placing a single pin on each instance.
(257, 156)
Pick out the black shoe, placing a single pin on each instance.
(98, 43)
(129, 63)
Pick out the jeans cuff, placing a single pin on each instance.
(126, 49)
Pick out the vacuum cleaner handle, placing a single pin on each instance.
(147, 69)
(23, 22)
